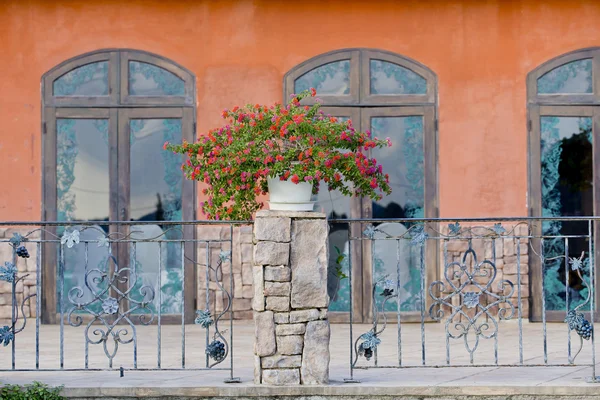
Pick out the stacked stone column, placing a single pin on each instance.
(290, 298)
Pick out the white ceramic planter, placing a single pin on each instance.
(288, 196)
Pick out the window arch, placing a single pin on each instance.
(393, 96)
(563, 98)
(106, 115)
(364, 77)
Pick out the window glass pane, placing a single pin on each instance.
(82, 179)
(567, 190)
(150, 80)
(404, 162)
(328, 79)
(335, 205)
(87, 80)
(388, 78)
(156, 184)
(574, 77)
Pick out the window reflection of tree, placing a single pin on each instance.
(576, 193)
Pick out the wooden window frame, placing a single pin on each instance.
(359, 105)
(118, 108)
(574, 105)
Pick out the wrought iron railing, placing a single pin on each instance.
(477, 279)
(116, 292)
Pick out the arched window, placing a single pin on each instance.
(563, 104)
(106, 116)
(392, 96)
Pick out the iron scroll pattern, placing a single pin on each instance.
(575, 319)
(366, 344)
(475, 280)
(112, 298)
(218, 348)
(9, 273)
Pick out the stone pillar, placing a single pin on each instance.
(290, 298)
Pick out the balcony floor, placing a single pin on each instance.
(411, 381)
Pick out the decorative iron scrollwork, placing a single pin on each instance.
(478, 278)
(9, 273)
(575, 319)
(112, 299)
(218, 348)
(370, 340)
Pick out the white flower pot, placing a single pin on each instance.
(288, 196)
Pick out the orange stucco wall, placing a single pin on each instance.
(240, 50)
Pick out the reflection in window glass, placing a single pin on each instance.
(156, 187)
(87, 80)
(404, 162)
(328, 79)
(335, 205)
(149, 80)
(82, 183)
(574, 77)
(389, 78)
(567, 190)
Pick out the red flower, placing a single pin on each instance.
(165, 145)
(295, 179)
(313, 92)
(279, 157)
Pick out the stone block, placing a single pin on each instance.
(271, 253)
(513, 279)
(219, 301)
(290, 329)
(513, 259)
(247, 291)
(277, 289)
(488, 253)
(279, 361)
(246, 252)
(264, 334)
(323, 313)
(5, 299)
(509, 247)
(281, 318)
(456, 245)
(257, 370)
(304, 315)
(258, 301)
(281, 377)
(511, 269)
(237, 285)
(278, 303)
(247, 274)
(523, 248)
(499, 244)
(273, 229)
(243, 315)
(524, 292)
(315, 356)
(240, 304)
(290, 345)
(5, 312)
(278, 274)
(309, 258)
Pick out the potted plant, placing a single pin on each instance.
(288, 151)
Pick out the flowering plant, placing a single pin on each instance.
(294, 142)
